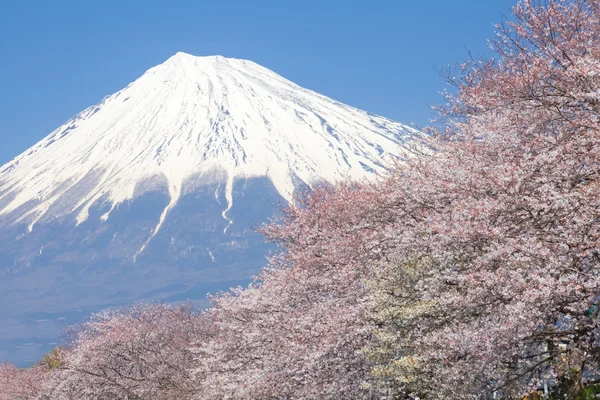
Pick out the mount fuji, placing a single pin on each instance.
(153, 192)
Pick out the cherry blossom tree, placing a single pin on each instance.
(137, 353)
(298, 331)
(496, 287)
(21, 384)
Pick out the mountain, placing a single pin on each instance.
(153, 192)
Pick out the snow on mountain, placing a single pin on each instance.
(189, 116)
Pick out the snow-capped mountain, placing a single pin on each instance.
(152, 192)
(191, 116)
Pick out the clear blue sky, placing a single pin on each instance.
(58, 57)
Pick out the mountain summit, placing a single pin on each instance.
(153, 193)
(189, 117)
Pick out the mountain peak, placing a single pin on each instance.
(180, 57)
(195, 117)
(188, 67)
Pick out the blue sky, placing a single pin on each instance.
(59, 57)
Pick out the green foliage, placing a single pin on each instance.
(589, 393)
(399, 305)
(54, 359)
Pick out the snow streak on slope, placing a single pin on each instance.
(194, 116)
